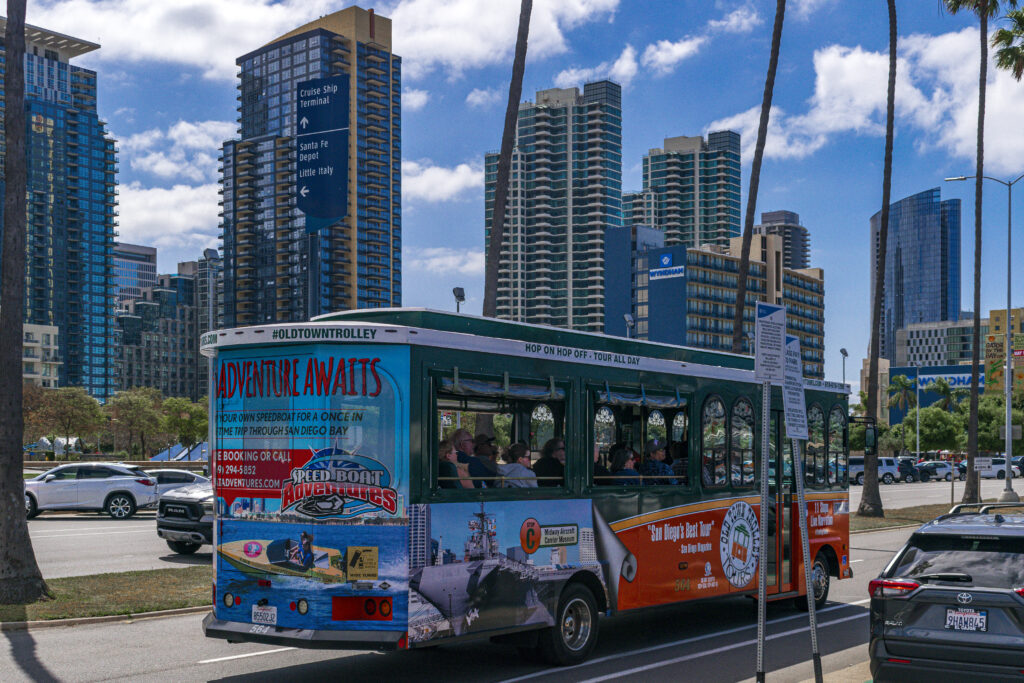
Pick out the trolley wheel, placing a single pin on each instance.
(574, 634)
(820, 581)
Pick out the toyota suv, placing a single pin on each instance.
(184, 518)
(950, 604)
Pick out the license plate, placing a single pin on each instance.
(264, 614)
(961, 619)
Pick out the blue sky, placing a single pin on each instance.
(167, 90)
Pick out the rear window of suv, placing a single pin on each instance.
(990, 561)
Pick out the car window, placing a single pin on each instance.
(173, 478)
(94, 473)
(992, 562)
(65, 473)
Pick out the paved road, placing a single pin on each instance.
(713, 641)
(75, 544)
(927, 493)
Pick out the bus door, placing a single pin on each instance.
(780, 508)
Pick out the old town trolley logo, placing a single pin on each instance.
(338, 484)
(739, 544)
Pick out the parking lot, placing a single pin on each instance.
(900, 495)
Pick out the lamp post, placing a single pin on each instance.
(460, 295)
(844, 354)
(1007, 496)
(630, 323)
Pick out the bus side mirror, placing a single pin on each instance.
(870, 440)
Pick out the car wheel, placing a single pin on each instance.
(1000, 475)
(820, 580)
(31, 509)
(574, 634)
(120, 506)
(949, 476)
(908, 478)
(963, 476)
(887, 478)
(860, 479)
(183, 547)
(925, 477)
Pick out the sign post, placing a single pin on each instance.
(769, 349)
(796, 429)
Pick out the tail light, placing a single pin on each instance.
(888, 588)
(360, 608)
(1019, 591)
(146, 482)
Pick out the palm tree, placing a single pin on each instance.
(755, 179)
(902, 394)
(947, 394)
(1010, 44)
(871, 498)
(515, 91)
(20, 579)
(984, 9)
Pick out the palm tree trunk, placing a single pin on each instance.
(497, 235)
(20, 579)
(972, 489)
(871, 499)
(755, 180)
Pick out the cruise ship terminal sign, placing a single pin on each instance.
(321, 145)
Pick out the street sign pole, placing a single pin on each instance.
(769, 366)
(801, 501)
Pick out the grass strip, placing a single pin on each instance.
(101, 595)
(918, 514)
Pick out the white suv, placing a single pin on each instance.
(119, 490)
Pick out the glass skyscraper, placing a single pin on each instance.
(274, 270)
(71, 221)
(565, 190)
(922, 266)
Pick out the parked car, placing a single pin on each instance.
(184, 518)
(908, 471)
(998, 470)
(888, 470)
(170, 479)
(119, 490)
(950, 604)
(938, 469)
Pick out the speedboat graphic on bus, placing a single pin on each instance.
(286, 556)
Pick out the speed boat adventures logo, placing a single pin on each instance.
(337, 484)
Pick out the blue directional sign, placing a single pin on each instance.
(321, 141)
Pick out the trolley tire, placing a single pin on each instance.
(821, 580)
(574, 635)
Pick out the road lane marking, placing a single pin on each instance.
(724, 648)
(684, 641)
(98, 533)
(75, 528)
(853, 561)
(250, 654)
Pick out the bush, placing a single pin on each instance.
(49, 456)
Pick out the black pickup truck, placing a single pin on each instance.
(185, 518)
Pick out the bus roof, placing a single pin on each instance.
(445, 321)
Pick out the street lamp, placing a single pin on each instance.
(1007, 496)
(460, 296)
(844, 354)
(630, 323)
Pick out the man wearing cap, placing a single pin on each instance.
(654, 465)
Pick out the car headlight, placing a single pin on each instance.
(208, 507)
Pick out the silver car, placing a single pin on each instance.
(171, 479)
(119, 490)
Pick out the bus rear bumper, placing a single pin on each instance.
(238, 632)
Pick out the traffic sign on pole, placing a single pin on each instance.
(793, 391)
(321, 142)
(769, 342)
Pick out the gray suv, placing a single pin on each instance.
(888, 470)
(950, 604)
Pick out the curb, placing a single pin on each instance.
(888, 528)
(85, 621)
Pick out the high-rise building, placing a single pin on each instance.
(210, 291)
(796, 242)
(922, 268)
(40, 356)
(625, 280)
(688, 296)
(420, 543)
(691, 190)
(565, 190)
(947, 342)
(280, 264)
(134, 269)
(72, 166)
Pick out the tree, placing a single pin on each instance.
(871, 498)
(70, 411)
(20, 579)
(33, 403)
(1010, 45)
(984, 9)
(991, 417)
(755, 179)
(515, 91)
(136, 413)
(186, 420)
(893, 441)
(939, 428)
(901, 392)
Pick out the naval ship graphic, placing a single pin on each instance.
(488, 590)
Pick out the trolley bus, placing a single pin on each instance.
(337, 526)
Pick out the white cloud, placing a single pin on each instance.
(422, 180)
(454, 35)
(936, 97)
(663, 57)
(181, 216)
(414, 100)
(742, 20)
(444, 260)
(188, 149)
(482, 98)
(803, 9)
(622, 71)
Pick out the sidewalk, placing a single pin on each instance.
(845, 666)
